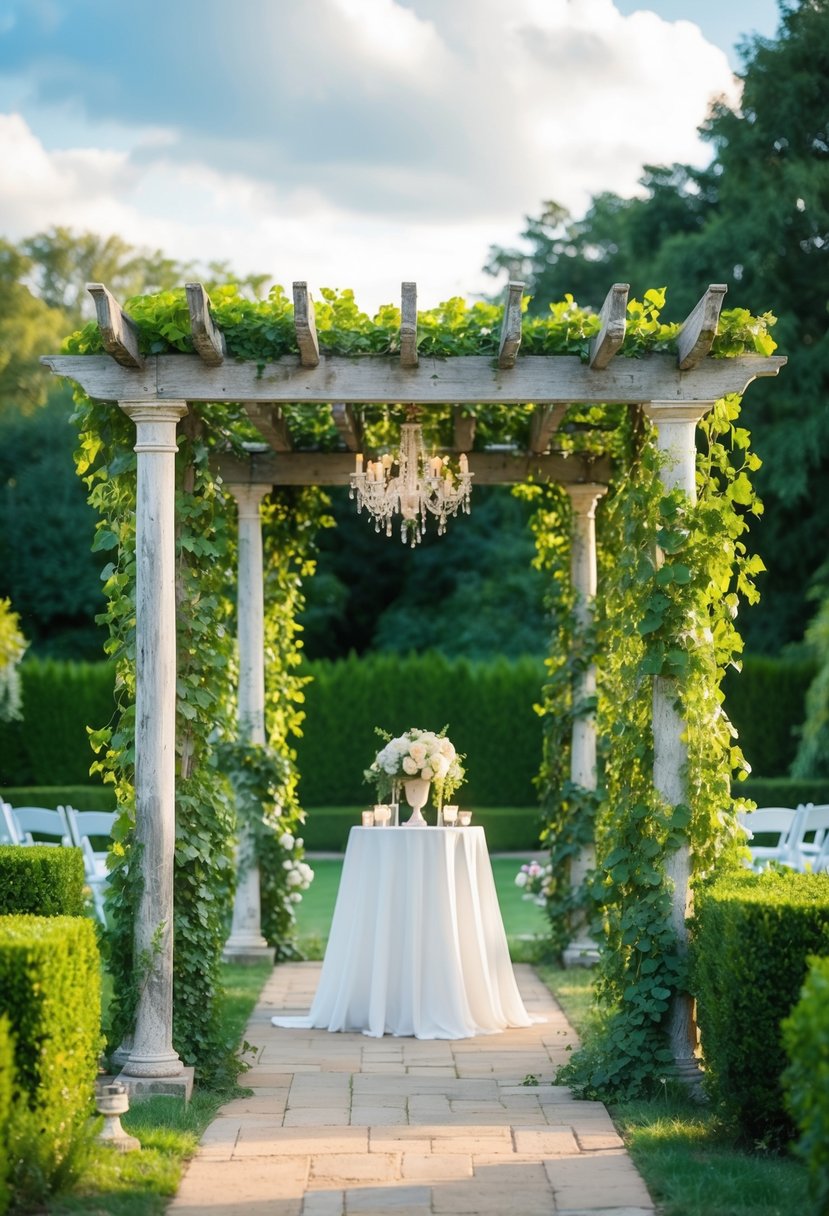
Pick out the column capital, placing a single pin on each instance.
(584, 497)
(155, 423)
(248, 496)
(677, 411)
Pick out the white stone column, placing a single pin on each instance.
(246, 943)
(676, 438)
(152, 1054)
(582, 950)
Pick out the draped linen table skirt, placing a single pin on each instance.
(417, 944)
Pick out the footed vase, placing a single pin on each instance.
(417, 793)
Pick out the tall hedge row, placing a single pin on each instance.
(41, 881)
(487, 706)
(49, 745)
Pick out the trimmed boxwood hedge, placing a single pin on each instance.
(806, 1080)
(6, 1086)
(50, 991)
(41, 880)
(752, 935)
(782, 791)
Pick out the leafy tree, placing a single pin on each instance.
(12, 648)
(28, 327)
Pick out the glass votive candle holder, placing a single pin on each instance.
(368, 819)
(382, 815)
(450, 815)
(464, 818)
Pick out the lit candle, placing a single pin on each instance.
(464, 463)
(450, 815)
(359, 467)
(436, 463)
(387, 461)
(368, 819)
(464, 818)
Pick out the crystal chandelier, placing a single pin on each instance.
(412, 485)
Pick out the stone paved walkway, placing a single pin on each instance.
(345, 1125)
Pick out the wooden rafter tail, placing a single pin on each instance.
(464, 429)
(305, 326)
(271, 424)
(208, 339)
(699, 329)
(613, 319)
(347, 424)
(408, 325)
(511, 326)
(118, 331)
(544, 423)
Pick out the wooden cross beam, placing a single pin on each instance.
(699, 329)
(119, 332)
(347, 424)
(208, 339)
(271, 424)
(511, 326)
(408, 325)
(544, 423)
(611, 335)
(305, 326)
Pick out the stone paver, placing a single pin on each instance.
(345, 1125)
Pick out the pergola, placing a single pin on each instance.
(675, 391)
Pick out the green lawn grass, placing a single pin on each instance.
(522, 918)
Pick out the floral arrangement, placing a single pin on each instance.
(417, 753)
(536, 881)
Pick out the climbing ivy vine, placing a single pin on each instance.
(684, 604)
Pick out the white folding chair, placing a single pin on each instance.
(94, 824)
(778, 822)
(811, 837)
(8, 828)
(32, 821)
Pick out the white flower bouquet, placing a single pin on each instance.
(417, 754)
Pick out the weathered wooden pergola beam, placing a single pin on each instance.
(511, 326)
(613, 320)
(471, 379)
(544, 423)
(271, 424)
(208, 339)
(305, 326)
(408, 325)
(348, 425)
(119, 332)
(699, 329)
(335, 468)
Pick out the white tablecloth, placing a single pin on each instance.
(417, 944)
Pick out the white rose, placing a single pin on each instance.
(295, 897)
(409, 766)
(286, 841)
(287, 865)
(417, 751)
(520, 879)
(294, 879)
(447, 749)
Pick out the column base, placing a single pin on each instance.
(248, 953)
(688, 1071)
(180, 1086)
(583, 953)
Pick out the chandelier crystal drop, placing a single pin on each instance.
(412, 486)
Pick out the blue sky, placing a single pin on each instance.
(348, 142)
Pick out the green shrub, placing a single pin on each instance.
(50, 991)
(806, 1080)
(488, 707)
(766, 701)
(81, 797)
(508, 829)
(751, 937)
(59, 701)
(781, 791)
(41, 880)
(6, 1084)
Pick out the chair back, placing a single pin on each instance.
(8, 828)
(37, 820)
(812, 834)
(89, 823)
(778, 822)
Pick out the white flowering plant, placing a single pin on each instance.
(417, 753)
(537, 881)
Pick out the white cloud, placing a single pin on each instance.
(440, 124)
